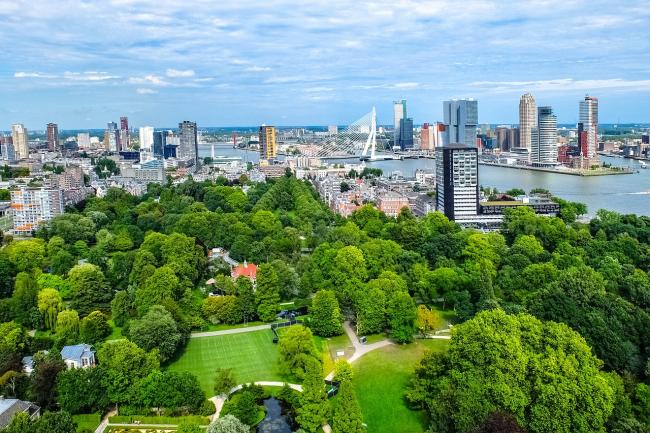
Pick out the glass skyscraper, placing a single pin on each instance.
(461, 120)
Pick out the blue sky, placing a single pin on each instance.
(239, 62)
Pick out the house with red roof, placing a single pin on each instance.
(248, 270)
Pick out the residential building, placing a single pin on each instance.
(588, 127)
(461, 120)
(188, 147)
(146, 143)
(52, 136)
(33, 206)
(247, 270)
(391, 203)
(7, 148)
(10, 407)
(71, 178)
(399, 113)
(83, 140)
(423, 204)
(125, 137)
(527, 120)
(405, 133)
(426, 137)
(78, 356)
(332, 130)
(20, 141)
(544, 145)
(457, 180)
(268, 146)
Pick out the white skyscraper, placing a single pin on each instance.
(399, 113)
(20, 142)
(461, 120)
(588, 127)
(527, 120)
(544, 138)
(146, 143)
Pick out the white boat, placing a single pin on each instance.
(643, 164)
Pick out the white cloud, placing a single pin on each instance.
(561, 84)
(153, 80)
(31, 75)
(257, 69)
(145, 91)
(89, 76)
(176, 73)
(408, 85)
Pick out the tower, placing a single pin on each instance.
(588, 127)
(52, 136)
(268, 146)
(20, 142)
(461, 120)
(527, 120)
(544, 138)
(457, 180)
(399, 113)
(189, 142)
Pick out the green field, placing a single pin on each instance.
(380, 379)
(251, 355)
(88, 422)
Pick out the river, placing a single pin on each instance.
(627, 193)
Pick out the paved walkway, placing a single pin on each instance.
(102, 425)
(230, 331)
(359, 349)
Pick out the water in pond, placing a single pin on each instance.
(275, 421)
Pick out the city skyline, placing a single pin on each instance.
(287, 63)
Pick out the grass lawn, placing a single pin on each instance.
(116, 332)
(329, 348)
(89, 422)
(251, 355)
(223, 326)
(381, 377)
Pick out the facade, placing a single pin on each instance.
(10, 407)
(33, 206)
(52, 136)
(19, 140)
(399, 113)
(426, 137)
(405, 133)
(78, 356)
(7, 149)
(268, 146)
(588, 127)
(71, 178)
(125, 137)
(527, 120)
(188, 147)
(112, 137)
(544, 144)
(391, 203)
(146, 143)
(159, 143)
(461, 121)
(457, 181)
(83, 140)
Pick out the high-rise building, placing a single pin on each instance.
(146, 143)
(399, 113)
(527, 120)
(20, 141)
(514, 138)
(457, 180)
(332, 130)
(544, 143)
(112, 137)
(406, 133)
(588, 127)
(7, 148)
(427, 138)
(33, 206)
(188, 148)
(159, 143)
(83, 140)
(461, 120)
(125, 137)
(268, 146)
(52, 136)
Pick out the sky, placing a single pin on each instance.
(247, 62)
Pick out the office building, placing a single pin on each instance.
(544, 139)
(20, 141)
(7, 148)
(112, 137)
(527, 120)
(461, 121)
(52, 136)
(514, 138)
(33, 206)
(146, 143)
(427, 139)
(268, 146)
(83, 140)
(125, 137)
(159, 143)
(457, 191)
(588, 127)
(399, 113)
(188, 148)
(405, 133)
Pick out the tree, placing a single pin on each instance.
(121, 308)
(267, 295)
(90, 290)
(27, 255)
(157, 330)
(543, 373)
(94, 328)
(25, 299)
(158, 288)
(296, 347)
(125, 364)
(186, 427)
(49, 304)
(243, 405)
(82, 390)
(19, 424)
(224, 381)
(342, 370)
(314, 408)
(228, 424)
(170, 389)
(347, 414)
(245, 298)
(325, 314)
(222, 309)
(427, 320)
(371, 311)
(13, 342)
(401, 317)
(42, 387)
(55, 422)
(67, 326)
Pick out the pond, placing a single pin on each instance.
(275, 421)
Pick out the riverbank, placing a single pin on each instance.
(570, 171)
